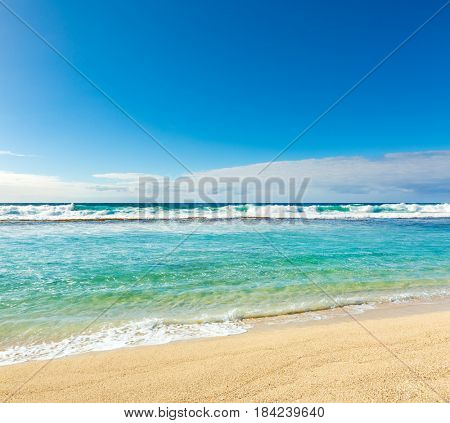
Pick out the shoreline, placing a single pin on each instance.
(364, 310)
(281, 358)
(246, 324)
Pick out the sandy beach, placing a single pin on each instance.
(279, 360)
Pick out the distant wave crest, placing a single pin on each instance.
(71, 212)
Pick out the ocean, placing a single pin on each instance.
(88, 277)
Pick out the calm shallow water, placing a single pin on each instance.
(132, 283)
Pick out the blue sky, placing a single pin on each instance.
(219, 83)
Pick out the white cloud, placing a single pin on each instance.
(23, 187)
(416, 176)
(395, 177)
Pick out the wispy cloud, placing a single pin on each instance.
(130, 176)
(11, 153)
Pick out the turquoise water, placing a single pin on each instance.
(130, 283)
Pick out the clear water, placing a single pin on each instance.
(122, 283)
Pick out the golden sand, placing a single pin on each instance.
(335, 360)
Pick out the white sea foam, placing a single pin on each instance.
(62, 212)
(137, 333)
(147, 332)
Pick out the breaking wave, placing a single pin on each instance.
(73, 212)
